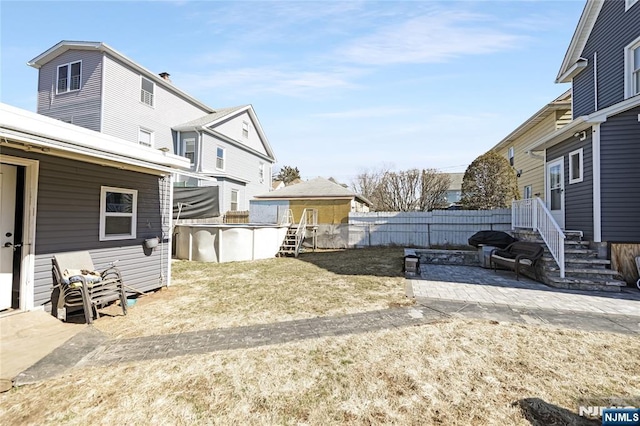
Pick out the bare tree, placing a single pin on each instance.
(408, 190)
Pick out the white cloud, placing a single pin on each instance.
(375, 112)
(434, 37)
(271, 80)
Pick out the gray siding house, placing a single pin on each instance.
(94, 86)
(592, 165)
(57, 182)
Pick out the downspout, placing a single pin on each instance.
(597, 203)
(595, 81)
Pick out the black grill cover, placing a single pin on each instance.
(491, 238)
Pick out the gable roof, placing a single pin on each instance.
(27, 130)
(66, 45)
(318, 188)
(209, 121)
(573, 63)
(561, 103)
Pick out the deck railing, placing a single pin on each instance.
(533, 214)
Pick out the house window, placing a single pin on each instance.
(118, 213)
(632, 69)
(234, 200)
(146, 91)
(145, 137)
(629, 3)
(527, 192)
(511, 157)
(69, 77)
(261, 172)
(190, 149)
(220, 158)
(575, 166)
(245, 129)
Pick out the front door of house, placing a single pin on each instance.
(8, 179)
(555, 190)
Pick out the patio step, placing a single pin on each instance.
(578, 262)
(570, 283)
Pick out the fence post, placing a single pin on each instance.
(534, 214)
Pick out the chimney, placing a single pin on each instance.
(165, 76)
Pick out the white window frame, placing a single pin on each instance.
(236, 202)
(151, 96)
(104, 214)
(527, 192)
(148, 132)
(579, 153)
(511, 156)
(68, 77)
(245, 129)
(628, 4)
(185, 143)
(631, 84)
(261, 172)
(221, 161)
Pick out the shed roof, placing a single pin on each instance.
(318, 188)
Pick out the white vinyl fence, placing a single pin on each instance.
(437, 228)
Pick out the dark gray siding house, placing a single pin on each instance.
(63, 175)
(600, 147)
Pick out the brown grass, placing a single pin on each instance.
(456, 372)
(211, 295)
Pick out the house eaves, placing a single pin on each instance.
(561, 103)
(29, 131)
(222, 115)
(218, 175)
(582, 123)
(66, 45)
(573, 63)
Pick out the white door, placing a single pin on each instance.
(7, 230)
(555, 190)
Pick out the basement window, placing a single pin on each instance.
(576, 170)
(118, 213)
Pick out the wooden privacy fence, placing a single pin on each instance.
(438, 228)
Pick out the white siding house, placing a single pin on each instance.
(94, 86)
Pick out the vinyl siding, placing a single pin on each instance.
(233, 129)
(620, 177)
(80, 107)
(68, 219)
(532, 167)
(614, 29)
(239, 163)
(124, 114)
(578, 197)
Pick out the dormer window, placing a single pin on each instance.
(146, 91)
(69, 76)
(632, 69)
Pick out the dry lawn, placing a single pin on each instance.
(456, 372)
(211, 295)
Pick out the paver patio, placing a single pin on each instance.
(475, 284)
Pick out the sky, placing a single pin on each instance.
(339, 87)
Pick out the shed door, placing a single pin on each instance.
(555, 190)
(8, 175)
